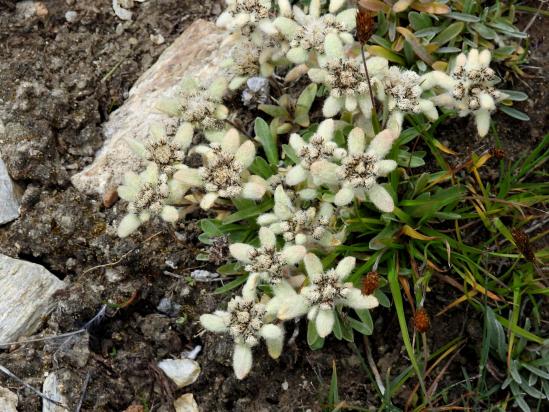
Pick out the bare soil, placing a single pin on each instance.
(58, 82)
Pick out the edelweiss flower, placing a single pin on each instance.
(148, 193)
(245, 321)
(201, 107)
(167, 152)
(307, 32)
(297, 225)
(266, 261)
(401, 90)
(360, 168)
(224, 173)
(326, 290)
(345, 78)
(470, 88)
(248, 60)
(315, 156)
(246, 15)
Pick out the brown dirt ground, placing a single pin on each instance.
(55, 91)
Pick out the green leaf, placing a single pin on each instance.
(333, 394)
(453, 30)
(210, 227)
(261, 167)
(514, 113)
(304, 103)
(290, 152)
(268, 141)
(361, 327)
(419, 21)
(495, 330)
(234, 268)
(337, 326)
(513, 370)
(247, 213)
(315, 342)
(274, 111)
(484, 31)
(231, 285)
(463, 17)
(537, 371)
(515, 95)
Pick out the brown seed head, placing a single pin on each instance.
(498, 153)
(523, 244)
(364, 24)
(422, 323)
(370, 283)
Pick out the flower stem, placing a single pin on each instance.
(368, 78)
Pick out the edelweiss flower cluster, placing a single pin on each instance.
(470, 88)
(325, 173)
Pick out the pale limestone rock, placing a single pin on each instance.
(198, 52)
(9, 204)
(53, 389)
(186, 403)
(26, 291)
(8, 400)
(182, 371)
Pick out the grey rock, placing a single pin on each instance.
(26, 291)
(182, 372)
(169, 307)
(9, 204)
(199, 52)
(256, 92)
(8, 400)
(53, 389)
(186, 403)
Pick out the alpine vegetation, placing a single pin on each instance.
(318, 201)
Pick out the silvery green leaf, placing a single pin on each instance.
(514, 113)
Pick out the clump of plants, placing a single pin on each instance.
(325, 215)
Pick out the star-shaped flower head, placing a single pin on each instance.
(307, 32)
(164, 148)
(325, 291)
(149, 193)
(299, 226)
(246, 321)
(266, 261)
(224, 173)
(199, 106)
(401, 90)
(362, 166)
(345, 78)
(470, 88)
(315, 156)
(248, 60)
(246, 15)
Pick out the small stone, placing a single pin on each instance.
(203, 275)
(9, 205)
(186, 403)
(182, 372)
(52, 388)
(168, 307)
(135, 408)
(110, 197)
(8, 400)
(121, 12)
(157, 39)
(26, 297)
(41, 9)
(256, 91)
(25, 9)
(71, 16)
